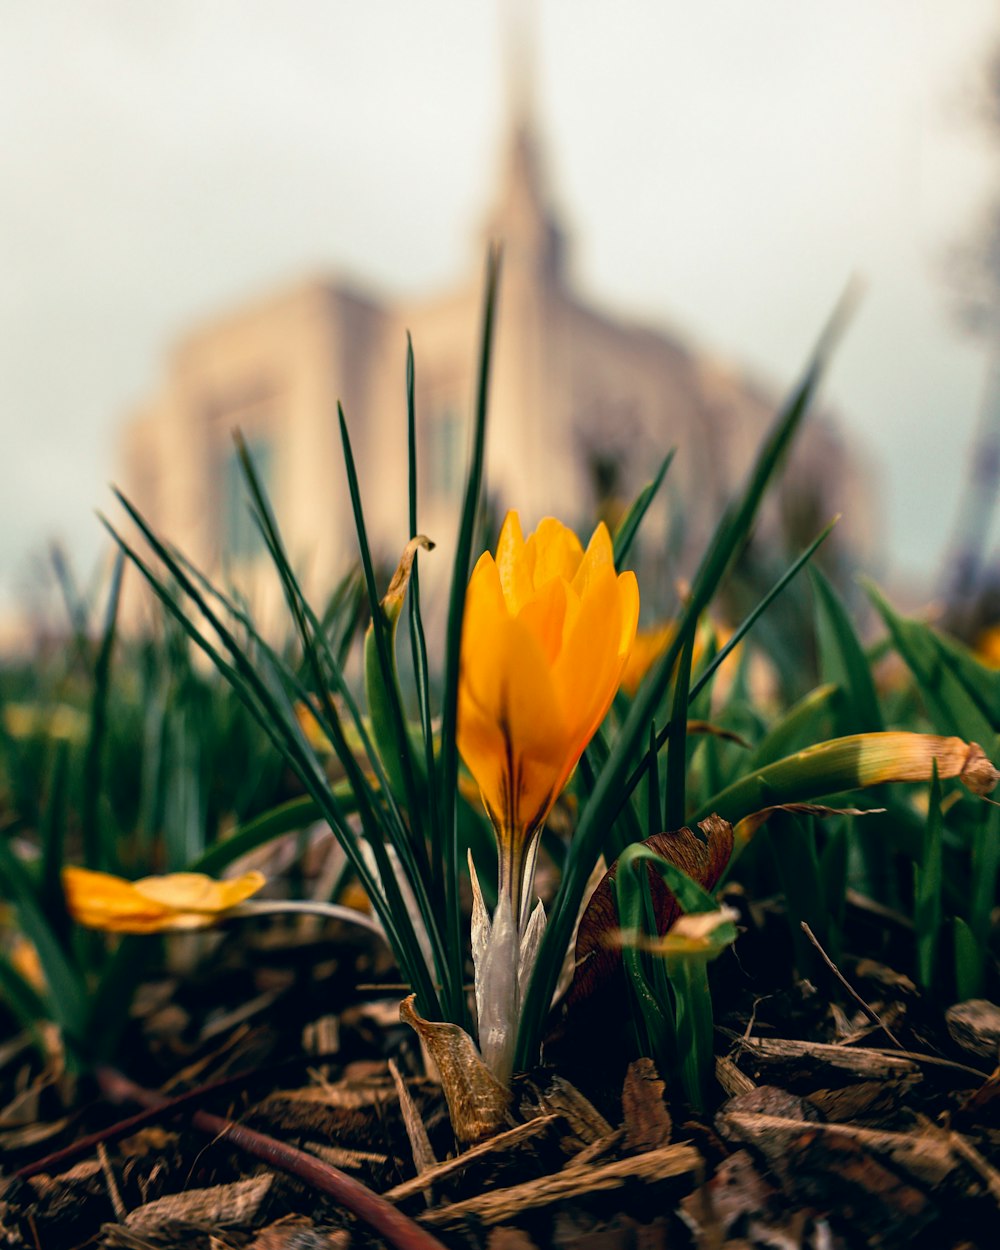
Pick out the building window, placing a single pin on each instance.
(445, 454)
(241, 537)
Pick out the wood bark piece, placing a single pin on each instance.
(868, 1099)
(975, 1026)
(454, 1167)
(928, 1158)
(868, 1178)
(581, 1115)
(730, 1078)
(237, 1203)
(416, 1130)
(500, 1205)
(647, 1120)
(736, 1193)
(865, 1064)
(602, 1146)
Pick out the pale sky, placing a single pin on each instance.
(723, 168)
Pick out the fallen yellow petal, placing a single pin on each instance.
(180, 900)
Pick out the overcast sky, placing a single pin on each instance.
(723, 168)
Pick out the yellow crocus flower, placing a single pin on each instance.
(548, 628)
(179, 900)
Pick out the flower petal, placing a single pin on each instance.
(552, 551)
(510, 732)
(196, 893)
(183, 900)
(512, 565)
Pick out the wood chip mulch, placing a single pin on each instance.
(833, 1126)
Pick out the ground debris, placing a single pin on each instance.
(239, 1202)
(647, 1120)
(975, 1026)
(799, 1060)
(583, 1182)
(818, 1139)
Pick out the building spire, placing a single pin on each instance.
(522, 218)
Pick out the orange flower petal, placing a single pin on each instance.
(182, 900)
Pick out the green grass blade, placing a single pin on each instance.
(971, 962)
(843, 661)
(94, 853)
(628, 527)
(739, 634)
(275, 719)
(985, 872)
(418, 645)
(793, 845)
(676, 764)
(386, 662)
(951, 708)
(67, 998)
(448, 763)
(410, 848)
(21, 998)
(928, 878)
(799, 727)
(53, 838)
(288, 817)
(652, 785)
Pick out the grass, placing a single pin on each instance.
(178, 768)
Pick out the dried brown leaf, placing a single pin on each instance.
(702, 858)
(477, 1102)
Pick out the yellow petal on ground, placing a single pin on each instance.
(184, 900)
(195, 892)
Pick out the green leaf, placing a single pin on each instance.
(389, 702)
(95, 854)
(796, 863)
(985, 872)
(677, 740)
(448, 760)
(418, 646)
(842, 661)
(971, 961)
(928, 875)
(628, 527)
(67, 997)
(289, 817)
(799, 727)
(951, 707)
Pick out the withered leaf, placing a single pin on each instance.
(477, 1102)
(703, 859)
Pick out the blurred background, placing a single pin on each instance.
(193, 193)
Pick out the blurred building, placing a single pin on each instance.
(583, 408)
